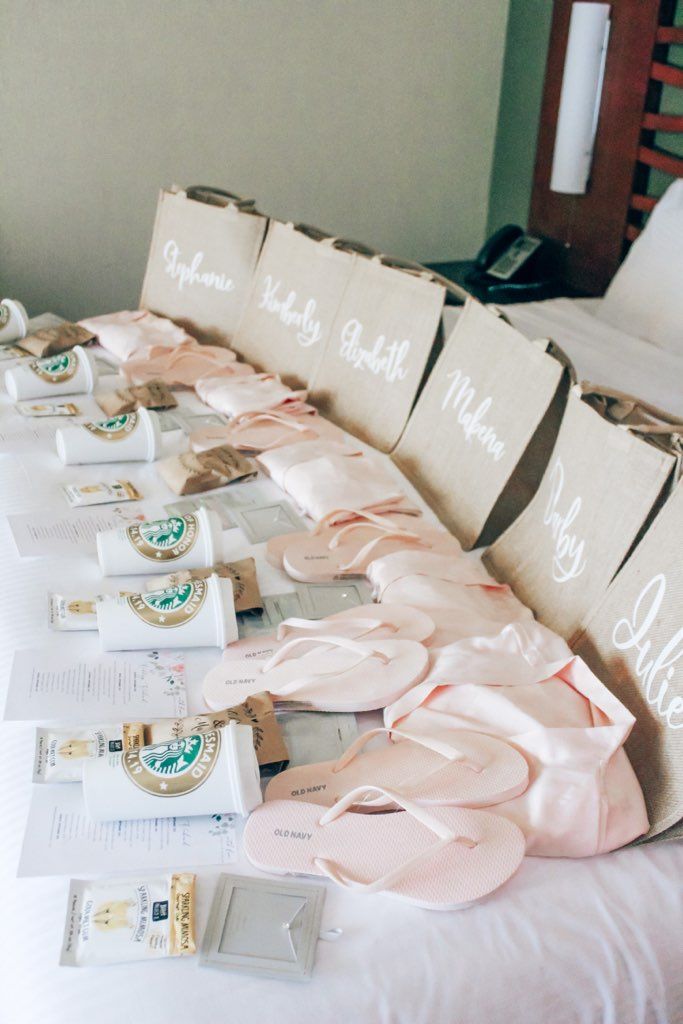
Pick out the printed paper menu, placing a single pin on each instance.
(50, 535)
(60, 839)
(50, 686)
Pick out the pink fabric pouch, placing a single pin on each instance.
(460, 596)
(123, 334)
(258, 392)
(583, 797)
(324, 485)
(183, 365)
(277, 462)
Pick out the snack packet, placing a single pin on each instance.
(256, 711)
(121, 919)
(193, 472)
(153, 395)
(242, 573)
(60, 752)
(100, 493)
(47, 409)
(51, 340)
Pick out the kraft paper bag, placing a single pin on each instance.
(296, 291)
(195, 472)
(49, 341)
(203, 253)
(633, 640)
(378, 349)
(152, 395)
(482, 430)
(600, 489)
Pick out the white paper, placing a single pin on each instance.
(20, 435)
(48, 686)
(60, 839)
(49, 535)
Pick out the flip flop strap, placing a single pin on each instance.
(387, 528)
(444, 834)
(447, 750)
(401, 536)
(358, 513)
(246, 419)
(316, 625)
(334, 641)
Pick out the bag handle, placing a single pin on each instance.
(631, 405)
(418, 270)
(218, 197)
(348, 245)
(317, 234)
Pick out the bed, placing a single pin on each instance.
(566, 941)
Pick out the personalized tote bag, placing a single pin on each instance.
(204, 250)
(379, 346)
(633, 640)
(600, 487)
(295, 293)
(474, 438)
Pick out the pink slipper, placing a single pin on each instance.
(255, 432)
(402, 516)
(468, 769)
(337, 675)
(364, 622)
(347, 551)
(184, 365)
(443, 858)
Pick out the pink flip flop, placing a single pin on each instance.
(469, 769)
(364, 622)
(338, 674)
(255, 432)
(443, 858)
(402, 517)
(347, 551)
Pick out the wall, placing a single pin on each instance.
(371, 118)
(526, 49)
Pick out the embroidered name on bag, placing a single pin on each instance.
(654, 670)
(309, 331)
(459, 397)
(383, 362)
(190, 274)
(568, 560)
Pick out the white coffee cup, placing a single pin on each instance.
(193, 541)
(130, 437)
(13, 321)
(67, 373)
(199, 613)
(208, 773)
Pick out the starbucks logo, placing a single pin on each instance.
(117, 428)
(4, 315)
(170, 607)
(163, 540)
(55, 369)
(175, 767)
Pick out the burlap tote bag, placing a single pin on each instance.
(295, 293)
(483, 429)
(378, 350)
(633, 640)
(204, 250)
(603, 481)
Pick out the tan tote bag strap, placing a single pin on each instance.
(218, 197)
(317, 234)
(558, 353)
(630, 405)
(349, 245)
(418, 270)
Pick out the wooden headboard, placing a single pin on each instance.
(592, 231)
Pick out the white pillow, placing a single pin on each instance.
(646, 295)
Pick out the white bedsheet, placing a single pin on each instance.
(564, 942)
(601, 353)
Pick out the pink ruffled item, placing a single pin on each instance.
(125, 333)
(185, 365)
(457, 591)
(276, 463)
(258, 392)
(324, 485)
(583, 796)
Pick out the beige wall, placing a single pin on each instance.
(372, 118)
